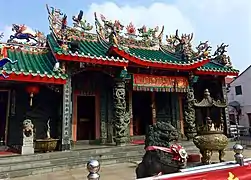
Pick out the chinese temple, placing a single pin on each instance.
(104, 82)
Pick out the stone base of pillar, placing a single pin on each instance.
(103, 140)
(26, 150)
(65, 147)
(122, 141)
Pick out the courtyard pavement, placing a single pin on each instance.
(125, 171)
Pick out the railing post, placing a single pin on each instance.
(239, 158)
(93, 167)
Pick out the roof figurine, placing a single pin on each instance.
(131, 31)
(22, 36)
(80, 22)
(109, 31)
(182, 47)
(203, 49)
(221, 57)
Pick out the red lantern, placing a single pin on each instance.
(32, 90)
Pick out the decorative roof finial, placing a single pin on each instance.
(220, 56)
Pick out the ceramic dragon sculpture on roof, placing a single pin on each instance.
(181, 45)
(62, 31)
(113, 32)
(80, 22)
(220, 56)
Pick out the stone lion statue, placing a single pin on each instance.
(161, 157)
(28, 128)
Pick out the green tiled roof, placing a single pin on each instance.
(213, 66)
(156, 55)
(95, 49)
(32, 63)
(88, 49)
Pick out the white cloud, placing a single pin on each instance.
(214, 20)
(157, 14)
(7, 32)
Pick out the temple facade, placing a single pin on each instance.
(107, 86)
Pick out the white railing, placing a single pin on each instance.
(93, 167)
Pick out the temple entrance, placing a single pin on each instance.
(142, 112)
(86, 117)
(4, 97)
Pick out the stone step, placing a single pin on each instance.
(188, 145)
(61, 167)
(63, 160)
(73, 153)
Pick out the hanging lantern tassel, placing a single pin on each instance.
(32, 90)
(31, 97)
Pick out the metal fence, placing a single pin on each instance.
(241, 134)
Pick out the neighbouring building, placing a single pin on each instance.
(239, 99)
(105, 86)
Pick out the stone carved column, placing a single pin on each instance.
(224, 92)
(190, 124)
(121, 116)
(110, 118)
(67, 112)
(103, 116)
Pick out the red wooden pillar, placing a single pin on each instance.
(97, 115)
(74, 117)
(181, 115)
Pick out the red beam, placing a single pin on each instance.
(209, 72)
(157, 65)
(90, 60)
(30, 78)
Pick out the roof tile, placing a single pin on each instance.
(32, 63)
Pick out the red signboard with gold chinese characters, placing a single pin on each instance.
(234, 173)
(142, 82)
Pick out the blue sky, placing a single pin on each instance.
(217, 21)
(33, 12)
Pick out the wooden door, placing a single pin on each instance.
(85, 117)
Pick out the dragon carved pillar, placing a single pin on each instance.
(190, 130)
(121, 116)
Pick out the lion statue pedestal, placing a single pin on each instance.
(161, 157)
(28, 134)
